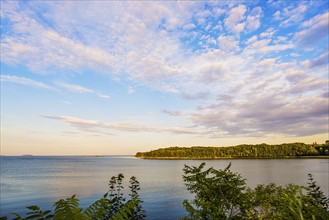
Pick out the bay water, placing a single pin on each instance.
(36, 180)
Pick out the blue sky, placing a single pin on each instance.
(111, 77)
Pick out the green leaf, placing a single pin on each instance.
(124, 214)
(105, 195)
(46, 212)
(38, 215)
(33, 207)
(17, 216)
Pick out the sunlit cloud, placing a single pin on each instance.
(126, 126)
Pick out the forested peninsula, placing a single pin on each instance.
(245, 151)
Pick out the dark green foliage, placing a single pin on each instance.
(240, 151)
(277, 202)
(99, 209)
(111, 206)
(265, 200)
(291, 207)
(219, 194)
(35, 213)
(138, 213)
(323, 149)
(222, 194)
(316, 203)
(115, 194)
(66, 209)
(317, 197)
(127, 211)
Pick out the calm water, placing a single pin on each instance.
(44, 180)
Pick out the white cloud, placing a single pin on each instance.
(218, 11)
(137, 45)
(228, 43)
(104, 96)
(130, 90)
(198, 95)
(54, 51)
(251, 40)
(267, 63)
(97, 126)
(322, 60)
(266, 46)
(82, 124)
(234, 20)
(294, 54)
(172, 113)
(40, 85)
(11, 50)
(277, 15)
(189, 26)
(25, 81)
(293, 15)
(316, 29)
(74, 88)
(268, 33)
(253, 20)
(263, 115)
(239, 19)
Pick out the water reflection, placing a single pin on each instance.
(43, 180)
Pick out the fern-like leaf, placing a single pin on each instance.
(35, 213)
(99, 209)
(17, 216)
(69, 209)
(126, 211)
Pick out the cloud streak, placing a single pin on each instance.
(25, 81)
(97, 126)
(74, 88)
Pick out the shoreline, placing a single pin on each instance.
(232, 158)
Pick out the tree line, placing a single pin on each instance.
(287, 150)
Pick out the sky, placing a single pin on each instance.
(120, 77)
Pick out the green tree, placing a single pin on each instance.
(222, 194)
(138, 212)
(219, 194)
(318, 198)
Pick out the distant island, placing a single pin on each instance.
(244, 151)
